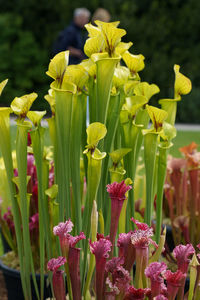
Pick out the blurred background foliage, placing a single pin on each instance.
(164, 31)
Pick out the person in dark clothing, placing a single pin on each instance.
(71, 38)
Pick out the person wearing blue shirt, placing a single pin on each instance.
(71, 38)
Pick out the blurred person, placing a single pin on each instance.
(101, 14)
(71, 38)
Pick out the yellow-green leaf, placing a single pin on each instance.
(65, 86)
(146, 89)
(128, 181)
(52, 191)
(92, 30)
(124, 116)
(95, 132)
(50, 98)
(169, 131)
(112, 36)
(129, 87)
(157, 116)
(57, 66)
(16, 180)
(121, 75)
(101, 23)
(106, 37)
(94, 45)
(182, 85)
(21, 105)
(135, 63)
(98, 56)
(122, 47)
(2, 85)
(170, 106)
(133, 103)
(36, 116)
(98, 155)
(90, 67)
(77, 75)
(118, 154)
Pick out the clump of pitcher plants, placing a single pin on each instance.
(62, 199)
(113, 275)
(182, 194)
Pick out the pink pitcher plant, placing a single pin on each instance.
(182, 192)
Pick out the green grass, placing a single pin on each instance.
(184, 138)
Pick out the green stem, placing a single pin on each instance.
(129, 140)
(93, 177)
(105, 71)
(162, 167)
(37, 137)
(92, 101)
(122, 218)
(76, 134)
(150, 148)
(141, 264)
(5, 146)
(170, 106)
(142, 119)
(45, 169)
(63, 114)
(89, 275)
(69, 287)
(52, 133)
(21, 155)
(84, 134)
(194, 272)
(112, 122)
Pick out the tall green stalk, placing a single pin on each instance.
(93, 180)
(193, 294)
(141, 119)
(162, 167)
(5, 146)
(84, 126)
(21, 155)
(92, 100)
(150, 148)
(63, 113)
(158, 117)
(169, 132)
(129, 140)
(131, 130)
(95, 132)
(76, 135)
(112, 122)
(37, 137)
(104, 76)
(94, 226)
(170, 106)
(52, 133)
